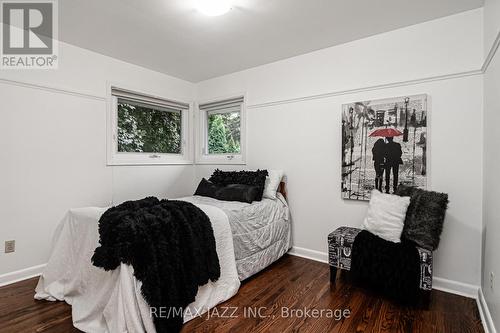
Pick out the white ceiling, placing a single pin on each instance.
(171, 37)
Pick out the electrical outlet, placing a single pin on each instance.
(492, 280)
(10, 246)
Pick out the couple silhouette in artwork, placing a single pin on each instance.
(387, 157)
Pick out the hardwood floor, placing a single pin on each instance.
(290, 283)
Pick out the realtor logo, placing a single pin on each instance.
(29, 34)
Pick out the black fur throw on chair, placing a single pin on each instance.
(424, 217)
(392, 269)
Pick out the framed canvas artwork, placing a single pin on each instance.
(384, 144)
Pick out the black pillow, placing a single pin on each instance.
(206, 189)
(253, 178)
(424, 217)
(237, 192)
(231, 192)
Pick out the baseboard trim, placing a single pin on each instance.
(455, 287)
(484, 312)
(20, 275)
(450, 286)
(309, 254)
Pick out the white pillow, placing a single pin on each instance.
(386, 215)
(272, 182)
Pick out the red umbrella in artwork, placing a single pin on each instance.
(386, 132)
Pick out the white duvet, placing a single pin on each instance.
(111, 301)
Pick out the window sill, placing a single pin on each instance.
(225, 162)
(117, 160)
(220, 159)
(149, 163)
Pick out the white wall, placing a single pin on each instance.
(53, 147)
(491, 23)
(491, 232)
(301, 134)
(492, 187)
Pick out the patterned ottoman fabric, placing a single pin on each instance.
(339, 247)
(425, 268)
(339, 254)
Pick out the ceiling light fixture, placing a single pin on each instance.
(213, 7)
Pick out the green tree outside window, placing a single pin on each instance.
(224, 133)
(147, 130)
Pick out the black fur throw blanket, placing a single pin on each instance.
(171, 246)
(392, 269)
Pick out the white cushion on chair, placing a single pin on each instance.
(386, 215)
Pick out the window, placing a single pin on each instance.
(222, 132)
(147, 129)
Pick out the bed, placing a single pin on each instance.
(260, 231)
(249, 237)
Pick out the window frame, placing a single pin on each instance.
(132, 158)
(202, 156)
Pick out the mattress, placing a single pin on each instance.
(260, 230)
